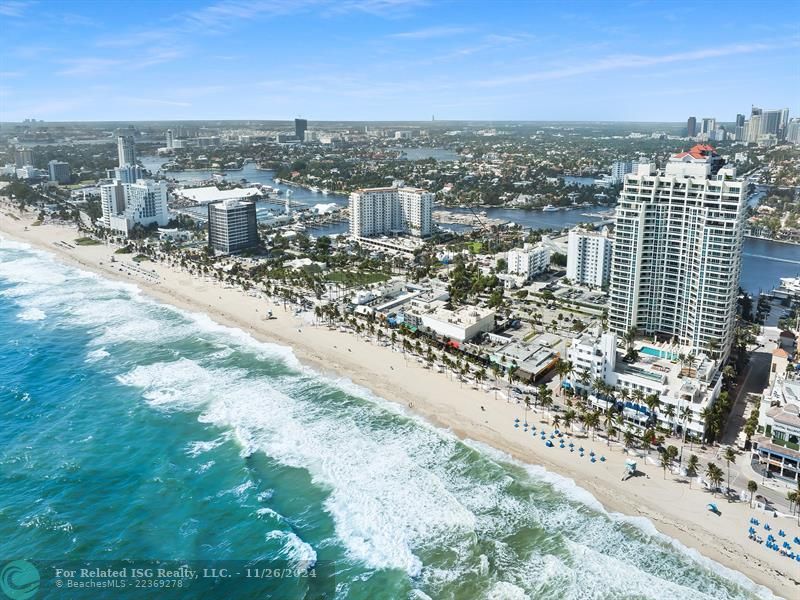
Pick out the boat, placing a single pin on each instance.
(325, 192)
(550, 208)
(314, 189)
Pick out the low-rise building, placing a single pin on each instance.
(690, 385)
(529, 261)
(779, 421)
(211, 193)
(532, 361)
(458, 324)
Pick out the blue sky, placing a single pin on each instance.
(631, 60)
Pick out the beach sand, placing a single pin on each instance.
(675, 509)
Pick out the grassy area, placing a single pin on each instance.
(87, 241)
(357, 278)
(475, 247)
(140, 258)
(123, 250)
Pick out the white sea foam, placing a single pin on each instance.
(97, 355)
(201, 447)
(299, 553)
(32, 314)
(394, 491)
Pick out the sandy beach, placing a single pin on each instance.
(672, 507)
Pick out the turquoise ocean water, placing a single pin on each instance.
(129, 429)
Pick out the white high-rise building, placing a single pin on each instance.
(589, 257)
(528, 261)
(678, 251)
(169, 139)
(126, 150)
(619, 169)
(391, 210)
(127, 204)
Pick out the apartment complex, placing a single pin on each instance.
(589, 257)
(232, 225)
(391, 210)
(677, 252)
(125, 205)
(528, 261)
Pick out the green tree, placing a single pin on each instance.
(691, 468)
(730, 457)
(752, 487)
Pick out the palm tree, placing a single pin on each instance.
(691, 468)
(569, 417)
(556, 422)
(669, 413)
(665, 462)
(627, 438)
(730, 457)
(563, 369)
(545, 396)
(714, 474)
(752, 486)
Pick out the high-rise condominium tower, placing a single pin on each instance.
(678, 251)
(379, 211)
(126, 150)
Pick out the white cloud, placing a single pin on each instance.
(14, 8)
(430, 33)
(627, 61)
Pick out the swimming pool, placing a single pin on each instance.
(658, 353)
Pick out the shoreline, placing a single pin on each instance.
(674, 509)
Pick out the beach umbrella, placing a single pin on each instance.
(516, 420)
(602, 459)
(796, 540)
(549, 444)
(572, 444)
(781, 533)
(787, 545)
(580, 449)
(591, 453)
(516, 425)
(594, 459)
(751, 531)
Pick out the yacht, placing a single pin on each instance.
(325, 192)
(550, 208)
(314, 189)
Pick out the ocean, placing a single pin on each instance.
(133, 430)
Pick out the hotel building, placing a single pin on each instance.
(694, 384)
(677, 252)
(391, 210)
(589, 257)
(127, 204)
(232, 226)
